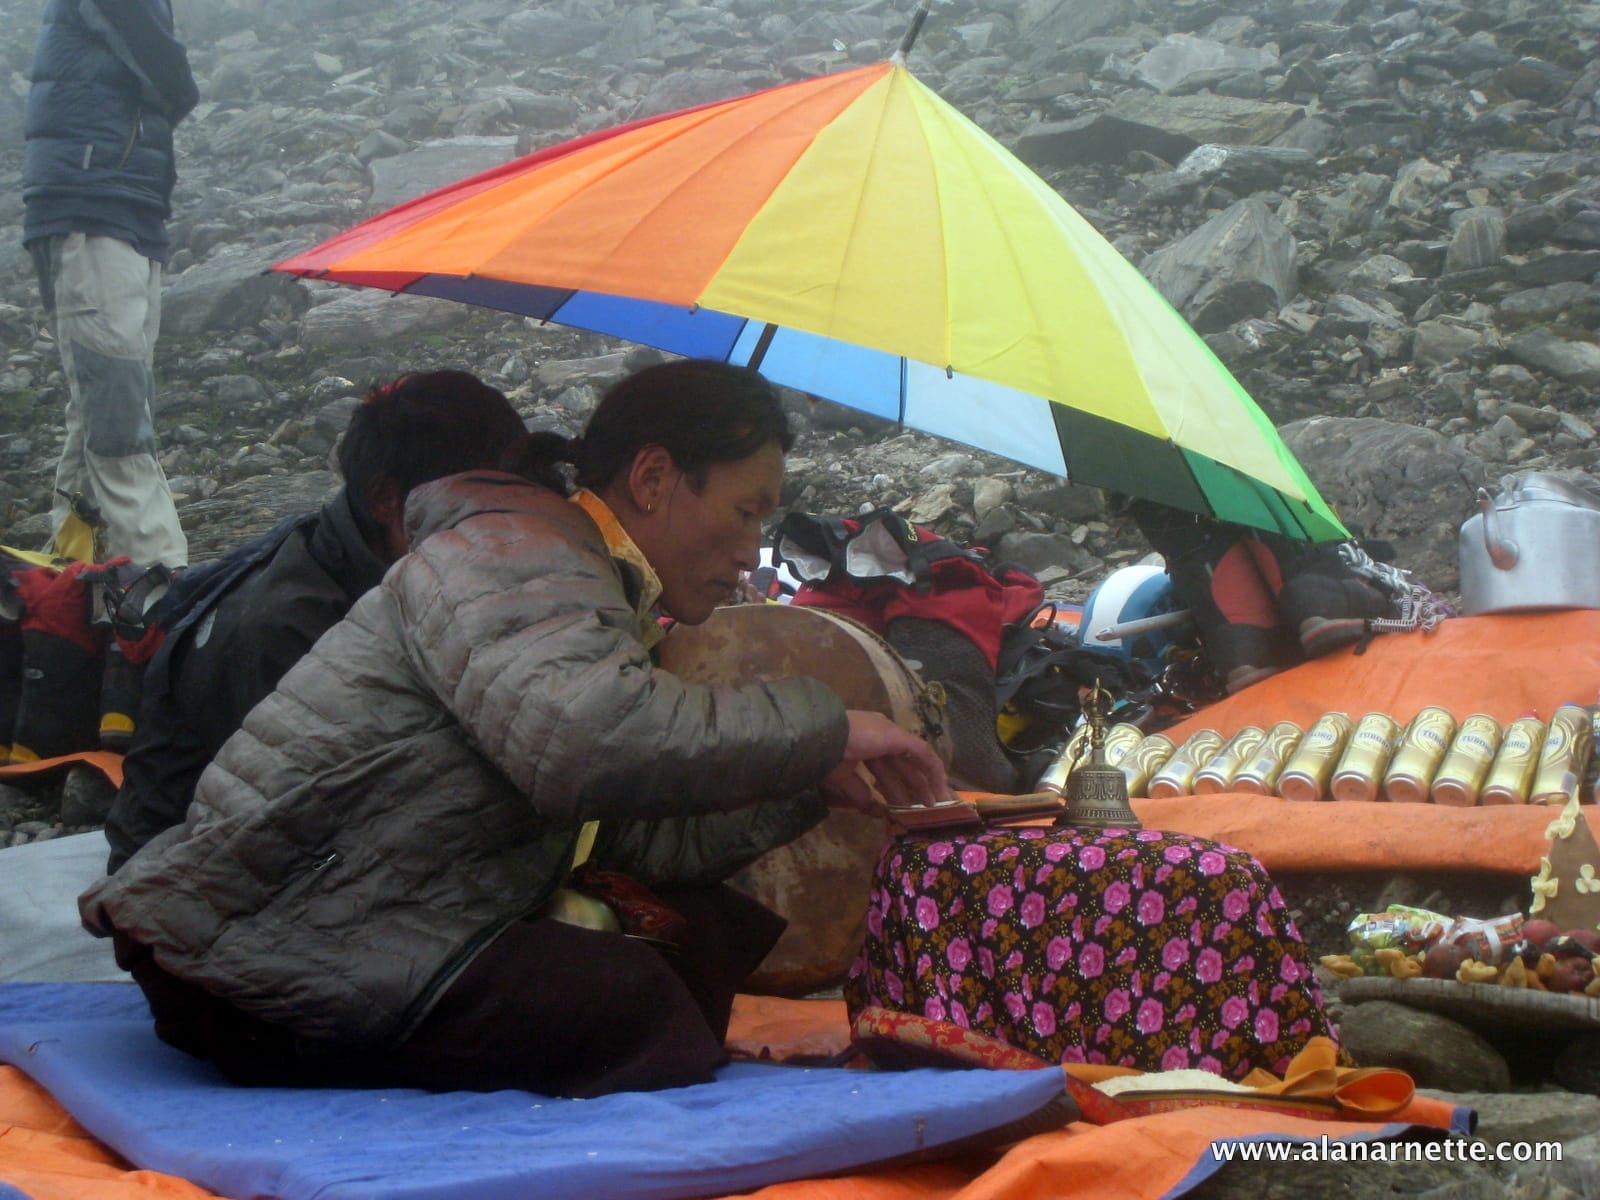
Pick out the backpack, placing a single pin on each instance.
(1040, 676)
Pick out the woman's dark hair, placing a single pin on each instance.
(703, 412)
(422, 427)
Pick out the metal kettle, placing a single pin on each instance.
(1533, 544)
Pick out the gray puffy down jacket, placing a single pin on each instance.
(417, 782)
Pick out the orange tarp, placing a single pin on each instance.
(107, 762)
(1503, 665)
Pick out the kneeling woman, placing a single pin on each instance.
(373, 880)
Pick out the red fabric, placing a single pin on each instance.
(1241, 588)
(963, 594)
(57, 602)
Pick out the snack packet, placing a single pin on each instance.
(1399, 927)
(1491, 940)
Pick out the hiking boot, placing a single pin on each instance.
(1245, 654)
(1328, 612)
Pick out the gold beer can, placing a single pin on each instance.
(1216, 774)
(1120, 741)
(1310, 769)
(1511, 774)
(1467, 763)
(1359, 775)
(1144, 760)
(1564, 756)
(1060, 769)
(1176, 776)
(1260, 773)
(1422, 747)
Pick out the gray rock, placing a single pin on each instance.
(1223, 119)
(231, 290)
(1535, 303)
(1041, 552)
(1098, 138)
(361, 317)
(1442, 341)
(1573, 362)
(1523, 1116)
(1575, 1176)
(547, 34)
(401, 177)
(1244, 244)
(1066, 22)
(1478, 241)
(1178, 56)
(1435, 1051)
(234, 392)
(1399, 483)
(1246, 168)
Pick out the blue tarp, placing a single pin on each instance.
(91, 1045)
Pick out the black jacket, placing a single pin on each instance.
(260, 610)
(110, 81)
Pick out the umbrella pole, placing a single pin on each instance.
(917, 18)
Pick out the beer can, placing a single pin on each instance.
(1359, 775)
(1310, 769)
(1422, 747)
(1511, 774)
(1060, 769)
(1176, 776)
(1260, 773)
(1216, 774)
(1466, 764)
(1120, 741)
(1144, 760)
(1564, 757)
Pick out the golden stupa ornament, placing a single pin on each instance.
(1097, 792)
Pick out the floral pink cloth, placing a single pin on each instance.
(1142, 949)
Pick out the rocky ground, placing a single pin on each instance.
(1383, 215)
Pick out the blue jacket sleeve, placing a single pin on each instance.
(140, 34)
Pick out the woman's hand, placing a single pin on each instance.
(884, 766)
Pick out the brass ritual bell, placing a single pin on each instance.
(1097, 792)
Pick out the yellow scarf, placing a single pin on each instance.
(622, 546)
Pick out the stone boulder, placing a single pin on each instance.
(1403, 484)
(1243, 247)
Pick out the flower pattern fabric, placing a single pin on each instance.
(1131, 948)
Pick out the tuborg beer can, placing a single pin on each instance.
(1359, 775)
(1260, 772)
(1121, 738)
(1564, 756)
(1176, 776)
(1063, 764)
(1511, 774)
(1422, 746)
(1216, 774)
(1310, 769)
(1466, 764)
(1144, 760)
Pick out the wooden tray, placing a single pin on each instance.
(1484, 1005)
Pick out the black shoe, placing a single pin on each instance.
(1328, 612)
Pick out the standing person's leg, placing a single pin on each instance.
(71, 478)
(108, 310)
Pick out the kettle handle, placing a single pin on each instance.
(1503, 552)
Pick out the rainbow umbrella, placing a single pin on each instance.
(857, 238)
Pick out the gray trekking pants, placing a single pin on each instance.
(106, 300)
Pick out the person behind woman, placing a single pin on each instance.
(369, 883)
(250, 616)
